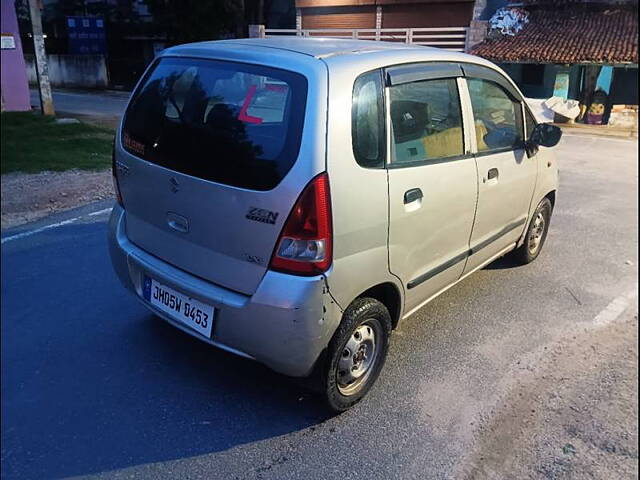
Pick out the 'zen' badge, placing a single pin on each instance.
(262, 215)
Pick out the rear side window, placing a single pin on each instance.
(367, 115)
(497, 116)
(227, 122)
(426, 120)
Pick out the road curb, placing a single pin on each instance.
(601, 131)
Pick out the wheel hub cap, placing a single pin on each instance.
(537, 232)
(358, 356)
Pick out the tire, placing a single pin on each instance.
(361, 342)
(536, 234)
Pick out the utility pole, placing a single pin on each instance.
(42, 68)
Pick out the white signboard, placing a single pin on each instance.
(7, 41)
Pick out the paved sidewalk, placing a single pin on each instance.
(598, 130)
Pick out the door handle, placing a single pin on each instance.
(412, 195)
(177, 222)
(492, 173)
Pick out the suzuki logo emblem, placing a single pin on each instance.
(174, 185)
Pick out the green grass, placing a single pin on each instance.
(33, 143)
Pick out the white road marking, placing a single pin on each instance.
(617, 306)
(53, 225)
(100, 212)
(38, 230)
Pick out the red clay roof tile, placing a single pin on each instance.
(569, 36)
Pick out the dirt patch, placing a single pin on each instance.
(29, 197)
(573, 415)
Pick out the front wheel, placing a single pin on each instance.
(536, 233)
(356, 353)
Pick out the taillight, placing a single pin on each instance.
(114, 172)
(305, 244)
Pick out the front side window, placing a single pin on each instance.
(426, 121)
(227, 122)
(497, 116)
(531, 122)
(367, 117)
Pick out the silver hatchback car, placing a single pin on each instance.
(290, 200)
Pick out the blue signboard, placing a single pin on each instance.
(86, 35)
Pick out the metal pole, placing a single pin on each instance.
(42, 69)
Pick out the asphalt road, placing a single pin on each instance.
(92, 103)
(93, 385)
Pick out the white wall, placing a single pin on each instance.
(80, 71)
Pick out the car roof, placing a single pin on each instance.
(314, 47)
(336, 54)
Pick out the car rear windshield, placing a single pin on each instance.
(228, 122)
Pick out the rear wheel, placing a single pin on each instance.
(536, 233)
(356, 353)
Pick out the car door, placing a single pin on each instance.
(506, 176)
(432, 179)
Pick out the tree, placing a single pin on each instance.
(24, 19)
(186, 21)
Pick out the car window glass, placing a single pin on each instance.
(260, 97)
(227, 122)
(497, 117)
(178, 93)
(368, 121)
(531, 122)
(426, 121)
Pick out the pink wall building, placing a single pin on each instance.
(13, 73)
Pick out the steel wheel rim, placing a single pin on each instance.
(537, 232)
(358, 357)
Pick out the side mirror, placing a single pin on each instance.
(546, 135)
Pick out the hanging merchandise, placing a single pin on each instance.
(597, 108)
(588, 89)
(509, 20)
(568, 109)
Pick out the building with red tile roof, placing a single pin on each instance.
(569, 48)
(569, 36)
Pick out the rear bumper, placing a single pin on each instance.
(285, 324)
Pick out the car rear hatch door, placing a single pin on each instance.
(207, 165)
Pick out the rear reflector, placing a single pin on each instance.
(305, 244)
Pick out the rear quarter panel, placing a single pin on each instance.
(359, 200)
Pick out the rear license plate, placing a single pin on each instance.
(182, 308)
